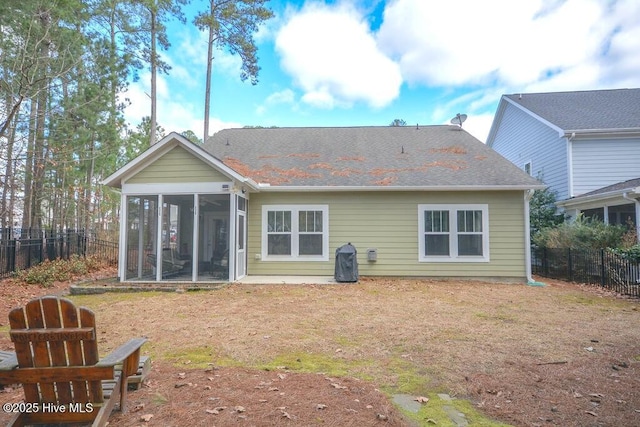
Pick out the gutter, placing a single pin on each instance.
(578, 200)
(527, 239)
(336, 188)
(612, 131)
(570, 163)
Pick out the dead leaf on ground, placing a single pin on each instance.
(146, 417)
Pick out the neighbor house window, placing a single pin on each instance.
(527, 168)
(451, 233)
(295, 232)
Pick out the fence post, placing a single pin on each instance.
(82, 243)
(60, 244)
(11, 255)
(570, 264)
(51, 255)
(42, 243)
(603, 270)
(68, 242)
(28, 240)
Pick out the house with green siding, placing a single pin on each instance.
(423, 201)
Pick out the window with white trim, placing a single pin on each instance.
(528, 168)
(453, 233)
(295, 232)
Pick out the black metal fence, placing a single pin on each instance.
(22, 249)
(601, 267)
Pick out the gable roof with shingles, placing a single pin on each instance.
(435, 157)
(628, 185)
(610, 192)
(615, 109)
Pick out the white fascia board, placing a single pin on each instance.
(497, 118)
(604, 133)
(597, 198)
(179, 188)
(330, 188)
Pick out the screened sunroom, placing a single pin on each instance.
(182, 237)
(183, 217)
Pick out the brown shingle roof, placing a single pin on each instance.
(407, 156)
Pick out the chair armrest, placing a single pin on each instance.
(123, 352)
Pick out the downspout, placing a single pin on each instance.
(570, 164)
(625, 195)
(527, 236)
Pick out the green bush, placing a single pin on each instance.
(543, 212)
(582, 233)
(47, 272)
(632, 253)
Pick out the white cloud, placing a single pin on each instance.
(517, 44)
(286, 96)
(332, 56)
(283, 97)
(191, 59)
(193, 49)
(174, 112)
(479, 125)
(321, 98)
(216, 125)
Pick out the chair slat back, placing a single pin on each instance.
(52, 332)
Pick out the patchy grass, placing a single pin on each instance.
(318, 363)
(204, 357)
(434, 413)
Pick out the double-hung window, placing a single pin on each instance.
(453, 233)
(295, 233)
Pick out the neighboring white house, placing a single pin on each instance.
(581, 144)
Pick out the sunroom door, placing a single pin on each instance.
(241, 237)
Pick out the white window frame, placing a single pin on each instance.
(295, 209)
(453, 210)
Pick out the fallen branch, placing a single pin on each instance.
(559, 362)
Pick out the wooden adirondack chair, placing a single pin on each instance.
(57, 362)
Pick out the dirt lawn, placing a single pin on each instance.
(335, 355)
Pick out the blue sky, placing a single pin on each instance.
(368, 62)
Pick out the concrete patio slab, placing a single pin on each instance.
(288, 280)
